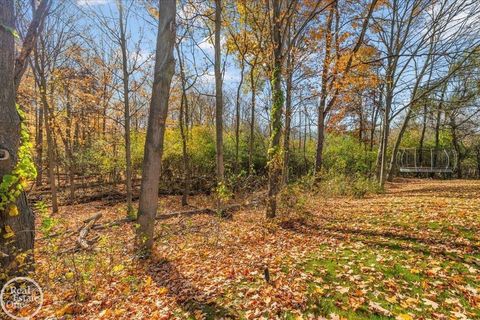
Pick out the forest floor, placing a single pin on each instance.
(412, 252)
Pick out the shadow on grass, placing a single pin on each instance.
(452, 191)
(301, 226)
(190, 298)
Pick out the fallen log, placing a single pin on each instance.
(69, 232)
(82, 242)
(112, 223)
(187, 213)
(82, 237)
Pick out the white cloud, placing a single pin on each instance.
(141, 56)
(231, 78)
(207, 46)
(458, 21)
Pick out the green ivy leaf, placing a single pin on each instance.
(8, 232)
(13, 184)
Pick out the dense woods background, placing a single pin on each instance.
(91, 75)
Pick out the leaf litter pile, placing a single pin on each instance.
(410, 253)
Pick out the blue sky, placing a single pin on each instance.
(141, 27)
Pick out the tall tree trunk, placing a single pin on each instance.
(252, 120)
(164, 70)
(422, 134)
(437, 132)
(68, 147)
(477, 151)
(438, 118)
(380, 135)
(104, 106)
(39, 145)
(304, 150)
(389, 88)
(48, 120)
(186, 164)
(183, 123)
(17, 231)
(379, 152)
(374, 119)
(39, 64)
(126, 103)
(361, 123)
(114, 172)
(323, 95)
(456, 146)
(274, 150)
(71, 170)
(288, 118)
(396, 146)
(300, 130)
(386, 130)
(50, 148)
(218, 94)
(320, 142)
(237, 117)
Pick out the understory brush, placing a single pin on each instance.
(339, 184)
(293, 197)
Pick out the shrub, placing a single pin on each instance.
(292, 202)
(345, 154)
(333, 183)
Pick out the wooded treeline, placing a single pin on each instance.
(222, 96)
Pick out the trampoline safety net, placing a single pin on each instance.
(426, 160)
